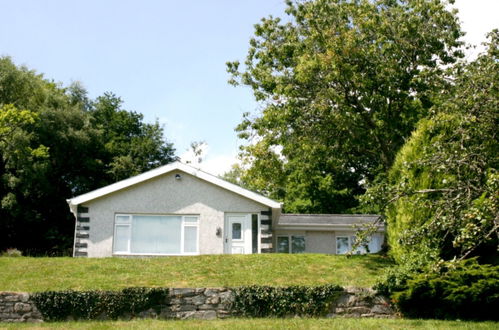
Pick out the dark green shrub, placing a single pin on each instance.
(464, 290)
(61, 305)
(266, 301)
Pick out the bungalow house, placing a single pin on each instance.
(180, 210)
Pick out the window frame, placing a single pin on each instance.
(290, 243)
(129, 222)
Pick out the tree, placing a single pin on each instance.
(441, 194)
(130, 145)
(341, 84)
(57, 143)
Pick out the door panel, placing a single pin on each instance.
(238, 234)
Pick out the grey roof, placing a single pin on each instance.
(326, 219)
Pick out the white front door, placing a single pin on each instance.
(238, 234)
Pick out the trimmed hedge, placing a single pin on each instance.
(465, 290)
(61, 305)
(266, 301)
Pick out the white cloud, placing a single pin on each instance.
(213, 164)
(218, 164)
(477, 17)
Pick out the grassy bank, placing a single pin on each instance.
(40, 274)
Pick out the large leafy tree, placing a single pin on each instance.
(56, 143)
(442, 192)
(342, 84)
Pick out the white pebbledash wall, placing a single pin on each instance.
(166, 195)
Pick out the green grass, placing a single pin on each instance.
(295, 323)
(40, 274)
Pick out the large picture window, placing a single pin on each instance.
(155, 234)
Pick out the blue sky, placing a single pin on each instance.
(166, 59)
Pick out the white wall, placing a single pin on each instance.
(166, 195)
(320, 241)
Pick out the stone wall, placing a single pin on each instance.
(359, 302)
(204, 303)
(17, 307)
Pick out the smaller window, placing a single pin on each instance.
(283, 244)
(297, 244)
(291, 244)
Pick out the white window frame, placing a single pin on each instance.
(290, 243)
(182, 231)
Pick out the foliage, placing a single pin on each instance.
(441, 193)
(267, 301)
(12, 252)
(55, 274)
(462, 290)
(342, 84)
(61, 305)
(395, 278)
(56, 143)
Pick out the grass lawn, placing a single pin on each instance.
(296, 323)
(40, 274)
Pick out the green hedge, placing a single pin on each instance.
(61, 305)
(464, 290)
(266, 301)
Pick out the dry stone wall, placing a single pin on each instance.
(360, 302)
(17, 307)
(204, 303)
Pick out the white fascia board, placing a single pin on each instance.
(166, 169)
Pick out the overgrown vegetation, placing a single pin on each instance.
(267, 301)
(441, 193)
(61, 305)
(56, 274)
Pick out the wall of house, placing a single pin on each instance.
(161, 195)
(317, 241)
(320, 242)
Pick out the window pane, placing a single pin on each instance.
(156, 234)
(283, 244)
(341, 245)
(190, 239)
(236, 230)
(375, 243)
(191, 219)
(121, 239)
(297, 244)
(122, 219)
(360, 249)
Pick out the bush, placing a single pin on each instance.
(12, 252)
(463, 290)
(266, 301)
(61, 305)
